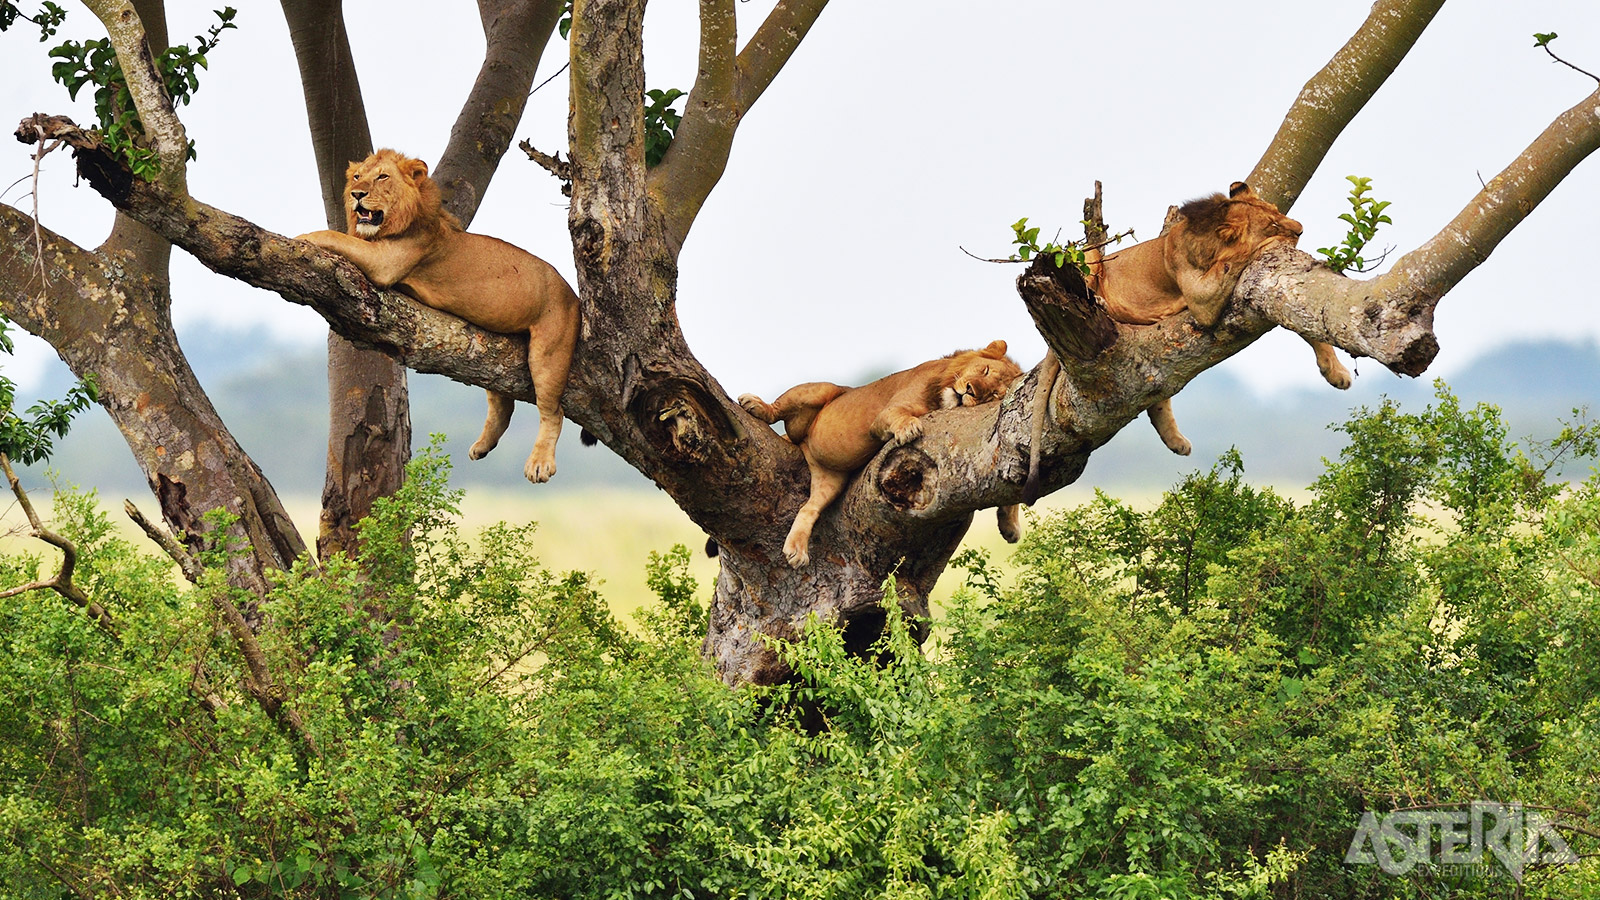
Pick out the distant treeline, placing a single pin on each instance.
(274, 397)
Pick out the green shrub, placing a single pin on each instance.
(1198, 700)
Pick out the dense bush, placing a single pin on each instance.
(1195, 701)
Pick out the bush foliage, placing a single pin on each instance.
(1199, 700)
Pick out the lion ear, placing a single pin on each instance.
(996, 349)
(417, 169)
(1241, 191)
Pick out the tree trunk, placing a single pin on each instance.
(369, 411)
(108, 313)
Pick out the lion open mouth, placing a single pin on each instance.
(365, 216)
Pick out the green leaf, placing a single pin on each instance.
(1543, 40)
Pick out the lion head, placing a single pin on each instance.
(388, 193)
(1228, 229)
(977, 376)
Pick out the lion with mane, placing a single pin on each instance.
(1194, 265)
(400, 236)
(840, 429)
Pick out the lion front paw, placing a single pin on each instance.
(796, 549)
(906, 433)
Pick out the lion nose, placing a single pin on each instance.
(358, 194)
(1294, 227)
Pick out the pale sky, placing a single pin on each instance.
(899, 133)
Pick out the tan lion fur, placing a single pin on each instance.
(840, 429)
(401, 237)
(1194, 265)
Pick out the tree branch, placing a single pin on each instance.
(515, 35)
(61, 582)
(1333, 97)
(161, 125)
(723, 93)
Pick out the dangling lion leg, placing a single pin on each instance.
(500, 406)
(1333, 371)
(1167, 427)
(549, 360)
(826, 486)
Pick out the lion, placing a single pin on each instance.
(400, 236)
(840, 429)
(1195, 265)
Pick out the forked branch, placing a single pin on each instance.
(61, 582)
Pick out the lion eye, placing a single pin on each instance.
(985, 370)
(383, 176)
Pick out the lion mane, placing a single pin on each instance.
(401, 236)
(840, 429)
(1194, 265)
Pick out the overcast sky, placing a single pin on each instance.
(901, 132)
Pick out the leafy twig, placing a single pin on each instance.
(1542, 41)
(1364, 217)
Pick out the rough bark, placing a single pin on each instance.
(636, 385)
(102, 321)
(107, 312)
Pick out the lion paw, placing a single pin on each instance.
(1010, 521)
(1338, 376)
(1178, 444)
(540, 467)
(480, 449)
(907, 433)
(797, 551)
(757, 407)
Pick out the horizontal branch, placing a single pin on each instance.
(420, 337)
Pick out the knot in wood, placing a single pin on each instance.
(908, 479)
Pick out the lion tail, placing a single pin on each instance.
(1048, 371)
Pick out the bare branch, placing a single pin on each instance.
(168, 544)
(515, 35)
(726, 88)
(553, 164)
(772, 45)
(1333, 97)
(61, 582)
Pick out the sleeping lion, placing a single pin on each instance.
(840, 429)
(1194, 266)
(401, 237)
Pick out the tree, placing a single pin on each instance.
(637, 386)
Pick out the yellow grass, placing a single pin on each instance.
(608, 533)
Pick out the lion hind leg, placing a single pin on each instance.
(1167, 426)
(549, 361)
(826, 486)
(1333, 371)
(494, 425)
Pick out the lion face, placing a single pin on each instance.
(979, 376)
(387, 193)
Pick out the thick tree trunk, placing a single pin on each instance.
(103, 320)
(108, 313)
(369, 411)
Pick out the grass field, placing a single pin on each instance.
(607, 533)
